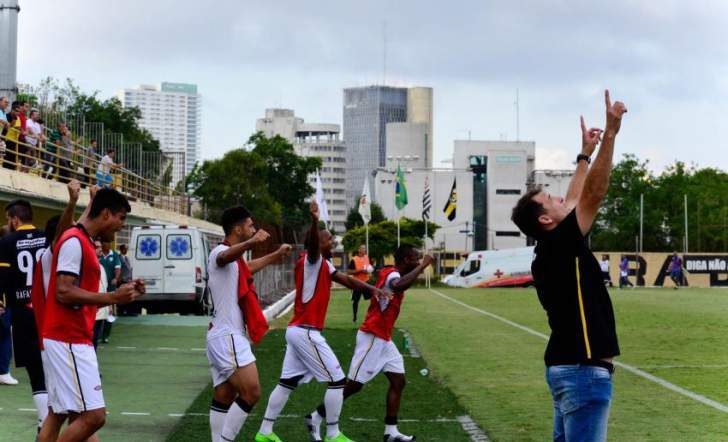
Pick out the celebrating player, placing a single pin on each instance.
(570, 287)
(235, 309)
(308, 354)
(19, 252)
(70, 312)
(375, 352)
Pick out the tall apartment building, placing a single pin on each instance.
(385, 124)
(321, 140)
(171, 112)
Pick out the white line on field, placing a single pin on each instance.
(198, 349)
(684, 366)
(473, 430)
(131, 413)
(634, 370)
(167, 348)
(126, 348)
(27, 409)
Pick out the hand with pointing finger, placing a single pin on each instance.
(614, 114)
(589, 138)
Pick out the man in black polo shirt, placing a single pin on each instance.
(570, 287)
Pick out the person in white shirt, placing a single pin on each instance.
(107, 164)
(604, 265)
(34, 136)
(232, 363)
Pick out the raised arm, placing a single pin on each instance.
(406, 281)
(74, 188)
(258, 264)
(312, 250)
(355, 284)
(234, 252)
(589, 140)
(597, 180)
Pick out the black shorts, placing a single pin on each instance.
(356, 295)
(25, 338)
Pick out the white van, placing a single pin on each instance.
(494, 268)
(172, 260)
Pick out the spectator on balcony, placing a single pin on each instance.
(3, 116)
(61, 151)
(107, 164)
(11, 140)
(34, 136)
(89, 161)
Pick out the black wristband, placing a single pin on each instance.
(584, 157)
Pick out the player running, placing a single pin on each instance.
(308, 355)
(235, 311)
(375, 352)
(19, 252)
(70, 311)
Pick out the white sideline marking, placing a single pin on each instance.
(126, 348)
(684, 366)
(27, 409)
(473, 430)
(130, 413)
(167, 348)
(634, 370)
(198, 349)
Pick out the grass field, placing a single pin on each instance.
(479, 366)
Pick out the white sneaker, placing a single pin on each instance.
(6, 379)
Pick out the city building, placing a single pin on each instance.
(171, 112)
(490, 177)
(321, 140)
(369, 114)
(556, 182)
(9, 10)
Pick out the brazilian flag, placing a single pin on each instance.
(452, 202)
(400, 193)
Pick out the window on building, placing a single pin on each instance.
(508, 191)
(507, 233)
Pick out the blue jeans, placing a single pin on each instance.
(582, 395)
(6, 342)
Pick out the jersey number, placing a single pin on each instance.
(26, 264)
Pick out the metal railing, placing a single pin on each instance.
(275, 281)
(62, 163)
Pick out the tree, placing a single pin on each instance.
(383, 236)
(286, 178)
(239, 177)
(353, 219)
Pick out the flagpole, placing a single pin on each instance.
(367, 236)
(427, 271)
(399, 214)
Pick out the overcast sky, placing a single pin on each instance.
(667, 60)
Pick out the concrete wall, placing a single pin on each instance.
(409, 142)
(420, 110)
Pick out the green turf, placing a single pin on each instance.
(497, 371)
(141, 380)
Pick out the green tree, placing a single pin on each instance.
(286, 178)
(239, 177)
(353, 219)
(383, 236)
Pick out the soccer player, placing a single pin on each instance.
(72, 299)
(375, 352)
(19, 252)
(570, 288)
(308, 355)
(235, 309)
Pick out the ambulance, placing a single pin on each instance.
(494, 268)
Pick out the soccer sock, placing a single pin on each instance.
(41, 404)
(235, 419)
(333, 401)
(218, 412)
(276, 402)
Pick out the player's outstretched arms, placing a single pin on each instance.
(597, 180)
(589, 140)
(74, 189)
(355, 284)
(257, 264)
(406, 281)
(234, 252)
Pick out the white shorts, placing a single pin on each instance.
(226, 354)
(309, 355)
(373, 355)
(72, 377)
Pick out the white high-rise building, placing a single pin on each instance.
(171, 112)
(320, 140)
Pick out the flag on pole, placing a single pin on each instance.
(321, 200)
(365, 203)
(400, 194)
(426, 201)
(452, 202)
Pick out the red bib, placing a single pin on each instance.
(380, 322)
(73, 323)
(255, 322)
(313, 312)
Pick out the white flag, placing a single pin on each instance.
(365, 203)
(321, 200)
